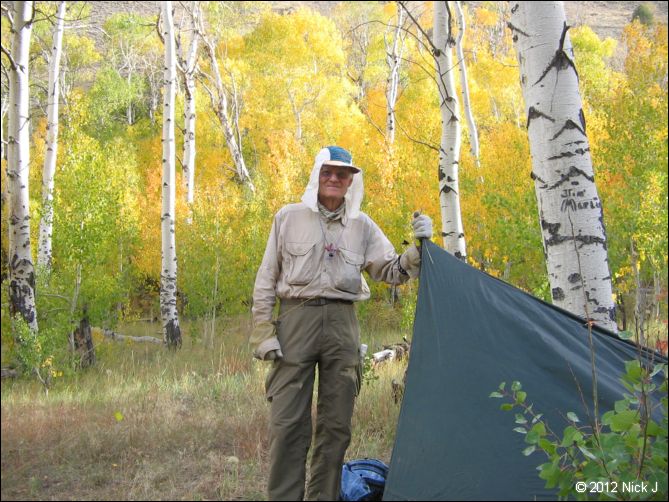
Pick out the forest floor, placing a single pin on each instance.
(148, 424)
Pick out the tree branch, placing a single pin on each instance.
(415, 22)
(11, 59)
(436, 149)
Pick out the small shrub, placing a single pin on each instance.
(616, 458)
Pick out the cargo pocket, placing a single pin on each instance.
(360, 368)
(347, 275)
(302, 264)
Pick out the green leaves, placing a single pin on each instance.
(625, 447)
(620, 422)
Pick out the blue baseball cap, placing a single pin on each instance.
(337, 156)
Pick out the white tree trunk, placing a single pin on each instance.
(5, 107)
(449, 154)
(473, 133)
(21, 269)
(46, 223)
(220, 105)
(188, 67)
(189, 140)
(393, 60)
(569, 207)
(168, 272)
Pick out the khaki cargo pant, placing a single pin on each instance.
(326, 336)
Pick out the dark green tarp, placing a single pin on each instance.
(472, 332)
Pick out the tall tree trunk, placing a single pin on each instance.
(46, 223)
(393, 60)
(5, 107)
(449, 154)
(569, 207)
(21, 269)
(219, 101)
(473, 133)
(188, 68)
(83, 342)
(168, 272)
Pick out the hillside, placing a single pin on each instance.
(607, 19)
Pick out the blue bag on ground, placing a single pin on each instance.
(363, 479)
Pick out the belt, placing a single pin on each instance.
(314, 302)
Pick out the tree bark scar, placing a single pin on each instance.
(173, 334)
(573, 172)
(561, 61)
(533, 113)
(535, 177)
(578, 151)
(446, 189)
(586, 240)
(515, 29)
(553, 230)
(569, 124)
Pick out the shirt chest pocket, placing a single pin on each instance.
(301, 262)
(346, 273)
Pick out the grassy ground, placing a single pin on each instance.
(148, 424)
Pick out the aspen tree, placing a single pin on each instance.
(464, 85)
(570, 209)
(21, 268)
(229, 121)
(451, 133)
(188, 66)
(46, 222)
(168, 269)
(394, 50)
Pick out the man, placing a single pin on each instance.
(316, 252)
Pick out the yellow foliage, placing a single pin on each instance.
(485, 17)
(296, 96)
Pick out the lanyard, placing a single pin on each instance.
(331, 248)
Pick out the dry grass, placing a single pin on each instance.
(149, 424)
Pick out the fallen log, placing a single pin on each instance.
(117, 337)
(396, 351)
(9, 373)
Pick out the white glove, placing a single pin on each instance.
(273, 354)
(265, 341)
(422, 226)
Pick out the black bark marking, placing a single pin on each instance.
(573, 171)
(568, 125)
(536, 178)
(553, 230)
(578, 151)
(587, 240)
(173, 335)
(533, 113)
(574, 278)
(557, 294)
(446, 189)
(515, 29)
(561, 61)
(590, 299)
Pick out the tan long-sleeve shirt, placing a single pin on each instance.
(309, 256)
